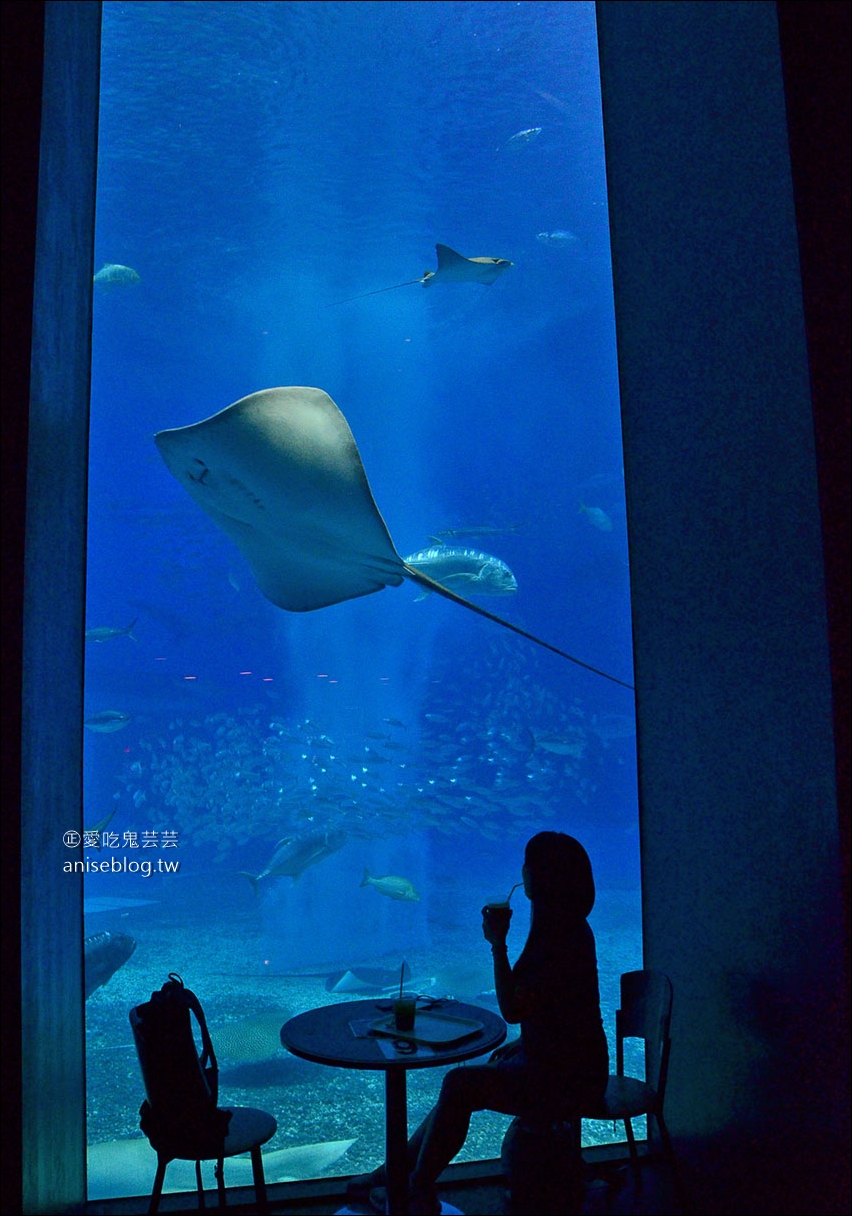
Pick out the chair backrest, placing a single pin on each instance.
(180, 1112)
(645, 1013)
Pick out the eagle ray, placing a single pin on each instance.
(452, 268)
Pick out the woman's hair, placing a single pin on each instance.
(560, 874)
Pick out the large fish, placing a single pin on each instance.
(444, 534)
(112, 272)
(94, 904)
(391, 885)
(560, 239)
(93, 834)
(105, 633)
(103, 954)
(520, 139)
(464, 570)
(107, 721)
(293, 855)
(597, 517)
(563, 745)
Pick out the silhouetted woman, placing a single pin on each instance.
(560, 1061)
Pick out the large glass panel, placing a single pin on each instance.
(260, 165)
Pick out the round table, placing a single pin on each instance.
(327, 1036)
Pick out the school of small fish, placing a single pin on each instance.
(493, 763)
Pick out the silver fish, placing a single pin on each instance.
(441, 537)
(102, 824)
(293, 855)
(465, 570)
(597, 517)
(112, 272)
(520, 139)
(561, 238)
(103, 954)
(563, 745)
(391, 885)
(107, 721)
(94, 904)
(105, 633)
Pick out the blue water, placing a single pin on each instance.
(259, 163)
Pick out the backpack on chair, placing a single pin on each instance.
(180, 1116)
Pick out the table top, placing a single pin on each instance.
(325, 1035)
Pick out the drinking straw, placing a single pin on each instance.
(401, 978)
(512, 892)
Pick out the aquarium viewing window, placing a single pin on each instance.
(287, 807)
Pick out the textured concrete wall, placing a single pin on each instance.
(738, 804)
(51, 795)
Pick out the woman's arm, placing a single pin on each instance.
(504, 983)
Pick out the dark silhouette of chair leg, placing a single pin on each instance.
(162, 1162)
(635, 1165)
(201, 1204)
(220, 1181)
(250, 1129)
(259, 1180)
(644, 1015)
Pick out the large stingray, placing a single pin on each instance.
(452, 268)
(251, 1039)
(126, 1167)
(280, 473)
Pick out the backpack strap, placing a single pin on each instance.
(207, 1060)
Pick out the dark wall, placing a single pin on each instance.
(741, 846)
(21, 54)
(815, 52)
(52, 1111)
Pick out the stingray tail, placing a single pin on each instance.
(251, 879)
(423, 580)
(377, 292)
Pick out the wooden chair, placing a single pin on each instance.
(645, 1013)
(181, 1116)
(248, 1129)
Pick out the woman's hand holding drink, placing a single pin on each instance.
(496, 916)
(495, 921)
